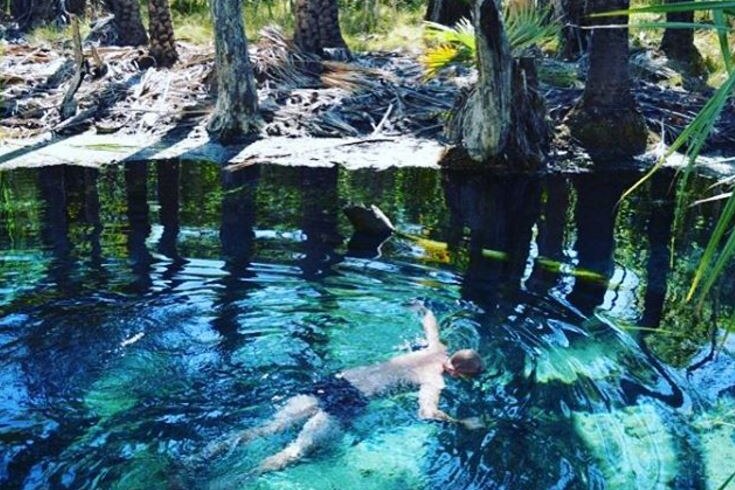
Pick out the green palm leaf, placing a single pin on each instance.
(525, 26)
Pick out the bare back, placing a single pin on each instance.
(412, 369)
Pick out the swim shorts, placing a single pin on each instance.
(339, 397)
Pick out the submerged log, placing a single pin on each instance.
(502, 122)
(372, 227)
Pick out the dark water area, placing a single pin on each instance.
(148, 310)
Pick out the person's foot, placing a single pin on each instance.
(278, 461)
(217, 449)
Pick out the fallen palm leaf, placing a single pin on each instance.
(373, 222)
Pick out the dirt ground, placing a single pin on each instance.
(377, 102)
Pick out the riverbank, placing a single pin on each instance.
(377, 111)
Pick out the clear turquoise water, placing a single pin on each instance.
(147, 311)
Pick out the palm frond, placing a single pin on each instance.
(525, 26)
(721, 5)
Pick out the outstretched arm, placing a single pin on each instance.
(431, 327)
(429, 394)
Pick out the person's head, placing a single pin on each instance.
(465, 362)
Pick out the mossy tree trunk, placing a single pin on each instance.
(503, 120)
(574, 39)
(128, 24)
(162, 42)
(236, 112)
(448, 12)
(606, 120)
(317, 28)
(678, 44)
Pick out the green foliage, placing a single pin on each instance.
(525, 26)
(720, 249)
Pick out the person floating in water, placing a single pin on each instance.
(335, 400)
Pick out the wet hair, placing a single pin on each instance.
(467, 361)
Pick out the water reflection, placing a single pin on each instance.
(597, 200)
(320, 210)
(139, 227)
(500, 213)
(168, 178)
(239, 288)
(237, 237)
(659, 231)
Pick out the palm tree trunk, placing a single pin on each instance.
(678, 44)
(447, 12)
(606, 119)
(317, 28)
(574, 39)
(76, 7)
(502, 122)
(330, 34)
(236, 112)
(127, 22)
(307, 36)
(162, 42)
(32, 13)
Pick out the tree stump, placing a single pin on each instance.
(502, 122)
(236, 112)
(606, 120)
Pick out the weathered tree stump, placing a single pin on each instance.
(236, 112)
(606, 120)
(502, 122)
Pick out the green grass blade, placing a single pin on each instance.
(695, 133)
(727, 482)
(720, 21)
(671, 7)
(723, 223)
(726, 254)
(662, 25)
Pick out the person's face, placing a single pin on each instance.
(449, 369)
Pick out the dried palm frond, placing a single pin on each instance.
(278, 58)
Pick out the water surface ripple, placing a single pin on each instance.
(148, 310)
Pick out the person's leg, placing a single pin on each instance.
(296, 409)
(318, 431)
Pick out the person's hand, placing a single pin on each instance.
(418, 306)
(472, 423)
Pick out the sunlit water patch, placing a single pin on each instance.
(146, 311)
